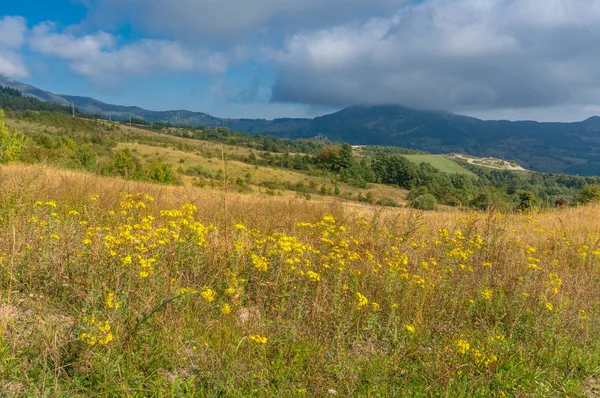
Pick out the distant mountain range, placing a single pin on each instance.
(570, 148)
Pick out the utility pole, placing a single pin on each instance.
(129, 119)
(72, 109)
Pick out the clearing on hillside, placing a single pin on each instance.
(440, 162)
(490, 163)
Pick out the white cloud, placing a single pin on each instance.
(12, 32)
(100, 58)
(12, 65)
(12, 36)
(475, 56)
(450, 54)
(46, 40)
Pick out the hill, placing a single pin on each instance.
(570, 148)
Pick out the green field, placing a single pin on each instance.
(439, 162)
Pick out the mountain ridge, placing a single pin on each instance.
(558, 147)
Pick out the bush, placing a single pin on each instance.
(388, 202)
(11, 142)
(366, 199)
(123, 163)
(589, 193)
(562, 202)
(161, 172)
(424, 202)
(415, 192)
(199, 171)
(527, 201)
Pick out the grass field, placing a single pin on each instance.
(440, 162)
(259, 174)
(110, 287)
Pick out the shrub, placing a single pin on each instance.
(162, 172)
(388, 202)
(368, 198)
(11, 142)
(589, 193)
(415, 192)
(123, 163)
(199, 171)
(562, 202)
(424, 202)
(527, 200)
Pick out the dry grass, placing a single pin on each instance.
(235, 169)
(107, 292)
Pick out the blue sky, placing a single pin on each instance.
(495, 59)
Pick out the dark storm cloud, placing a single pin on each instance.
(451, 54)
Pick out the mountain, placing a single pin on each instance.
(182, 117)
(570, 148)
(32, 91)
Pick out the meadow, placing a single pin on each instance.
(119, 288)
(440, 162)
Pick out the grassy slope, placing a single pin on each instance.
(153, 145)
(440, 162)
(236, 169)
(395, 303)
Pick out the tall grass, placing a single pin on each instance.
(115, 288)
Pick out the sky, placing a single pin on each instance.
(493, 59)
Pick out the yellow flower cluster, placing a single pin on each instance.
(110, 301)
(99, 333)
(361, 300)
(258, 339)
(208, 294)
(375, 274)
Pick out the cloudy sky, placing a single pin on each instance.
(495, 59)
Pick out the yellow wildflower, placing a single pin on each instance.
(110, 303)
(209, 295)
(226, 309)
(362, 300)
(258, 339)
(487, 293)
(260, 263)
(463, 346)
(240, 227)
(313, 276)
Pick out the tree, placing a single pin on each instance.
(589, 193)
(11, 142)
(527, 200)
(345, 159)
(329, 158)
(395, 170)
